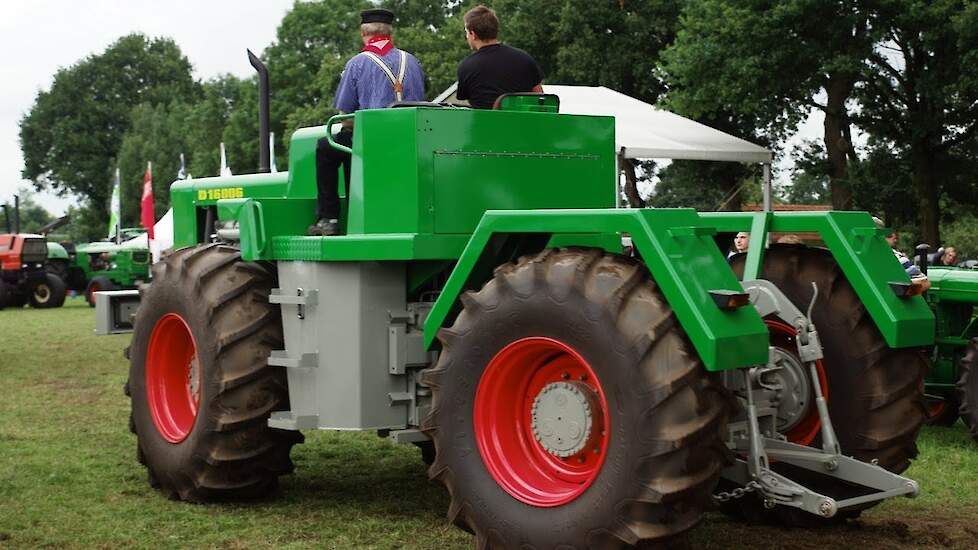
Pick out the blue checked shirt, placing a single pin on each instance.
(364, 85)
(913, 271)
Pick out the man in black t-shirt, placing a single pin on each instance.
(493, 69)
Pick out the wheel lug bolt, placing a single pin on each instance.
(565, 376)
(580, 460)
(583, 377)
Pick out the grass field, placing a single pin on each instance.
(69, 476)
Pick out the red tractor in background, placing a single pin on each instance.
(23, 276)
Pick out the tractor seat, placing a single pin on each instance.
(527, 101)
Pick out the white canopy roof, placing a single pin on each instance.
(647, 132)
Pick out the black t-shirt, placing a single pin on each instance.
(494, 70)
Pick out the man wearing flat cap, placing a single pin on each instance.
(374, 78)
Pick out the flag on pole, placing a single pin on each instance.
(114, 210)
(182, 172)
(147, 216)
(225, 169)
(271, 148)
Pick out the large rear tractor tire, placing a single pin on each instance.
(875, 393)
(98, 284)
(49, 293)
(968, 388)
(4, 294)
(569, 411)
(201, 388)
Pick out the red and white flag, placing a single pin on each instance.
(147, 215)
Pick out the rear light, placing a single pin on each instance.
(729, 299)
(906, 290)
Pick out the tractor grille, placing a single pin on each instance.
(140, 257)
(35, 251)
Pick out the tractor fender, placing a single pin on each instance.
(676, 246)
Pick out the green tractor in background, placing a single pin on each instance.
(481, 306)
(105, 265)
(952, 382)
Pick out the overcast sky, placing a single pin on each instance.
(39, 36)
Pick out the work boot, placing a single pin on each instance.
(324, 228)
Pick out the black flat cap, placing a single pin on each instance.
(377, 15)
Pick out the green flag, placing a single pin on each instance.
(114, 209)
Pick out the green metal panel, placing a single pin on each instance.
(394, 246)
(261, 221)
(56, 251)
(680, 254)
(949, 284)
(466, 182)
(865, 258)
(438, 170)
(386, 194)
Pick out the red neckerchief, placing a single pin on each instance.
(379, 45)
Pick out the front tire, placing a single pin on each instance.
(49, 293)
(98, 284)
(641, 448)
(201, 388)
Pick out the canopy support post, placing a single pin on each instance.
(766, 186)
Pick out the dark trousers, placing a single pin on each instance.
(328, 161)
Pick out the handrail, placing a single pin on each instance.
(329, 132)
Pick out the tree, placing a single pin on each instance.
(921, 93)
(614, 44)
(74, 130)
(33, 216)
(158, 135)
(809, 182)
(693, 184)
(767, 60)
(206, 121)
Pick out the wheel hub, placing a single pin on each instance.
(193, 378)
(789, 378)
(562, 417)
(42, 293)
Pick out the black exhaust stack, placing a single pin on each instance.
(16, 213)
(264, 148)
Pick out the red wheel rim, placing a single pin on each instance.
(90, 293)
(783, 336)
(172, 378)
(503, 422)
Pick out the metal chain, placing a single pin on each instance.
(739, 492)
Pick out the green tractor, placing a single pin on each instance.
(952, 382)
(106, 265)
(480, 306)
